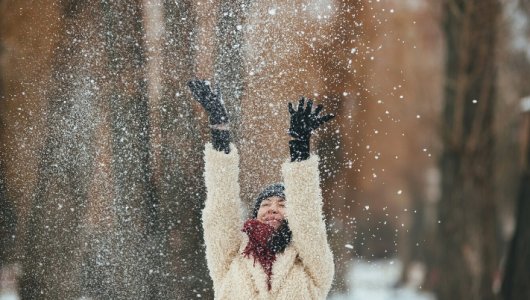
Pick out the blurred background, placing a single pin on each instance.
(425, 171)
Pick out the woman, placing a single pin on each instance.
(281, 252)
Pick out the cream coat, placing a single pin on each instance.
(303, 271)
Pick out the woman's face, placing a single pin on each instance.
(272, 211)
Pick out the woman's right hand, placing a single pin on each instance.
(212, 102)
(217, 116)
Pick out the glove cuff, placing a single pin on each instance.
(299, 149)
(301, 137)
(217, 119)
(221, 140)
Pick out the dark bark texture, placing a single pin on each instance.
(229, 64)
(516, 273)
(53, 259)
(467, 261)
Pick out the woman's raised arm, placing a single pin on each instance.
(222, 214)
(304, 197)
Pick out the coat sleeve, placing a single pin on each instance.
(221, 217)
(304, 212)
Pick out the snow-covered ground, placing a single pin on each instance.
(373, 280)
(8, 275)
(8, 296)
(376, 280)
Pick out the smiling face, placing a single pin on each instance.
(272, 211)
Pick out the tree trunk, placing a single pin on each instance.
(53, 255)
(467, 255)
(8, 220)
(122, 256)
(345, 86)
(179, 172)
(229, 68)
(516, 274)
(7, 213)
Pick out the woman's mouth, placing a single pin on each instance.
(275, 221)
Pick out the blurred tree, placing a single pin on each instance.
(8, 219)
(180, 182)
(25, 60)
(345, 87)
(467, 234)
(516, 273)
(52, 261)
(516, 60)
(7, 213)
(229, 70)
(135, 197)
(2, 96)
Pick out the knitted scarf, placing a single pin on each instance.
(259, 235)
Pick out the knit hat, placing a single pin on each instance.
(276, 189)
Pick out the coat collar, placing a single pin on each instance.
(284, 262)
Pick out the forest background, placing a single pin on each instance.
(428, 162)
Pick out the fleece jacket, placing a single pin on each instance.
(304, 270)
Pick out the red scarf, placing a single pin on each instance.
(258, 235)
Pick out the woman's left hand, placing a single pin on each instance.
(304, 121)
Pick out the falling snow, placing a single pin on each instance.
(106, 142)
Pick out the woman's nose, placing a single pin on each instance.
(273, 209)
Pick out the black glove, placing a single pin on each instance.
(303, 122)
(213, 104)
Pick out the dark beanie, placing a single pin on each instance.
(275, 189)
